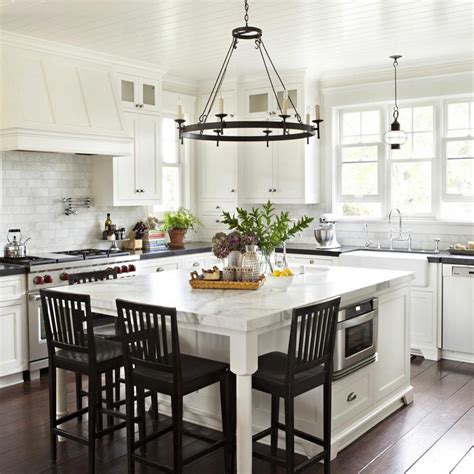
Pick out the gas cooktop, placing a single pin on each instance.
(28, 261)
(88, 254)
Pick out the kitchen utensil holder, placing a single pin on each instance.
(73, 204)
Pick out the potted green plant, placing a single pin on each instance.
(269, 229)
(177, 223)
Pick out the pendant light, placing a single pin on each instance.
(257, 130)
(395, 136)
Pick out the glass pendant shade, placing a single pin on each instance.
(395, 137)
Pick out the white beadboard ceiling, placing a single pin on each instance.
(189, 38)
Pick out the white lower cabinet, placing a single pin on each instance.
(392, 368)
(352, 395)
(297, 259)
(186, 263)
(13, 330)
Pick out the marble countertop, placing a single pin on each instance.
(232, 310)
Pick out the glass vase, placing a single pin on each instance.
(251, 263)
(234, 259)
(268, 260)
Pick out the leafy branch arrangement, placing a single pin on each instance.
(269, 228)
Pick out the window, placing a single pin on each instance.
(360, 162)
(432, 175)
(172, 166)
(411, 167)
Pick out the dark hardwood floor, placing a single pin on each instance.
(435, 434)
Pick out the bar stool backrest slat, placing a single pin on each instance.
(312, 337)
(149, 337)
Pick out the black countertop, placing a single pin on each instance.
(445, 257)
(190, 248)
(311, 249)
(7, 269)
(291, 248)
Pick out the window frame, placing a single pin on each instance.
(342, 198)
(181, 164)
(434, 160)
(444, 140)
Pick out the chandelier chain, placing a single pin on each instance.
(218, 83)
(246, 16)
(297, 115)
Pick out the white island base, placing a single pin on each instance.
(237, 326)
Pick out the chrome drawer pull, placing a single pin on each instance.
(351, 397)
(160, 269)
(196, 264)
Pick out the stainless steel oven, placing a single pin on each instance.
(37, 335)
(356, 337)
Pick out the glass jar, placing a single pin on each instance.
(268, 261)
(251, 263)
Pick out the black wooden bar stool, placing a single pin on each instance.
(72, 346)
(106, 327)
(153, 361)
(307, 365)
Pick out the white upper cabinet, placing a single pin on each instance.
(139, 93)
(257, 162)
(136, 179)
(261, 101)
(218, 164)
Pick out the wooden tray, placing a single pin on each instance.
(200, 283)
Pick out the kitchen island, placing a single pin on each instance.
(237, 326)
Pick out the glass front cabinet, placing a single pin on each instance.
(261, 102)
(139, 93)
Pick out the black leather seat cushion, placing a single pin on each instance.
(197, 373)
(271, 373)
(108, 355)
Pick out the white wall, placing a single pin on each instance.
(33, 185)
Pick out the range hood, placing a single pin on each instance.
(53, 103)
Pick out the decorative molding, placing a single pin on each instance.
(44, 46)
(375, 76)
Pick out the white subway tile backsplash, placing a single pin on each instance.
(33, 187)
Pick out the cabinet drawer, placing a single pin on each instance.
(158, 265)
(352, 395)
(213, 207)
(12, 288)
(309, 260)
(212, 221)
(195, 263)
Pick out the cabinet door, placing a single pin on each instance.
(129, 91)
(257, 172)
(13, 349)
(288, 171)
(149, 95)
(125, 167)
(149, 158)
(392, 368)
(258, 102)
(218, 170)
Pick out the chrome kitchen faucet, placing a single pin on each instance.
(401, 237)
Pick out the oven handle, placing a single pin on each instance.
(363, 318)
(34, 297)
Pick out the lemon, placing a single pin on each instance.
(276, 273)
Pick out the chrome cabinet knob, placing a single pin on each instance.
(311, 261)
(232, 190)
(196, 264)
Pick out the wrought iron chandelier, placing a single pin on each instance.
(217, 130)
(395, 136)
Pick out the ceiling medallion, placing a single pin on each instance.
(395, 136)
(271, 129)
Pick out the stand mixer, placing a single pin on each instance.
(325, 234)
